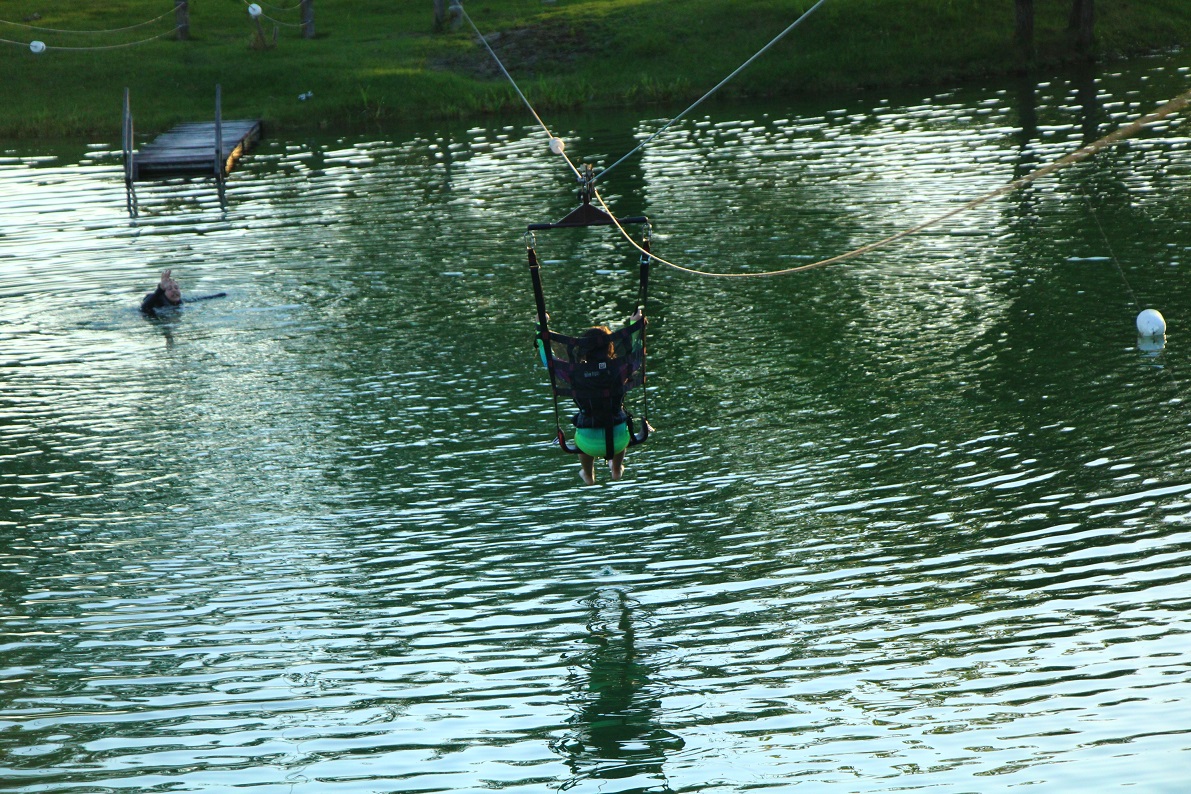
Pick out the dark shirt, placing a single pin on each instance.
(157, 300)
(598, 392)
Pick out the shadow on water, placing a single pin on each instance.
(616, 732)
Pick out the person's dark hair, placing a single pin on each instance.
(595, 344)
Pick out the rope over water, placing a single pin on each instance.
(1128, 131)
(720, 85)
(1173, 106)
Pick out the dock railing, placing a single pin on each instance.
(126, 141)
(220, 163)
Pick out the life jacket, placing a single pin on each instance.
(598, 389)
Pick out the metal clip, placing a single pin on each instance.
(646, 237)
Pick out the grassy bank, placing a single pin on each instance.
(377, 63)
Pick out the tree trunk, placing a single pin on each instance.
(182, 19)
(307, 19)
(1023, 29)
(1083, 23)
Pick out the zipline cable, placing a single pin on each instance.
(721, 84)
(556, 144)
(1123, 133)
(557, 150)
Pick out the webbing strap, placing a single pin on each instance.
(646, 260)
(545, 340)
(535, 275)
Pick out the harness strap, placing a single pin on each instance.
(646, 260)
(545, 341)
(535, 275)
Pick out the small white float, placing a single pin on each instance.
(1151, 324)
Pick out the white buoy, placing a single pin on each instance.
(557, 145)
(37, 47)
(254, 11)
(1151, 323)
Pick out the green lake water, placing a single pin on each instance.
(918, 521)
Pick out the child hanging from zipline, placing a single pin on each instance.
(598, 387)
(595, 370)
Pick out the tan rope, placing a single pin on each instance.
(88, 32)
(99, 47)
(1173, 106)
(276, 8)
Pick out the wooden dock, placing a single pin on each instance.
(195, 149)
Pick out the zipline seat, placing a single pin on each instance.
(559, 352)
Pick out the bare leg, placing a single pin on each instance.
(587, 468)
(616, 465)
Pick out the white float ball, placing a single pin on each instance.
(37, 47)
(557, 145)
(254, 11)
(1151, 323)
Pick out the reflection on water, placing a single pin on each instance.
(915, 522)
(616, 704)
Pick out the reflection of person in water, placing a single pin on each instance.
(614, 735)
(168, 294)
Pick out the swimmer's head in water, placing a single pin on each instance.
(173, 293)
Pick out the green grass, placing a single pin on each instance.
(378, 64)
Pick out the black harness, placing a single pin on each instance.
(598, 388)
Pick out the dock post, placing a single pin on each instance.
(220, 164)
(307, 19)
(220, 171)
(182, 19)
(126, 140)
(129, 157)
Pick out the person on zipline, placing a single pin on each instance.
(598, 390)
(169, 294)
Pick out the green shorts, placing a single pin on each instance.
(590, 440)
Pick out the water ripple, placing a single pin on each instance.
(916, 522)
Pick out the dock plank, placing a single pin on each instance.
(189, 149)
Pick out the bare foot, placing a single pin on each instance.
(587, 477)
(617, 469)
